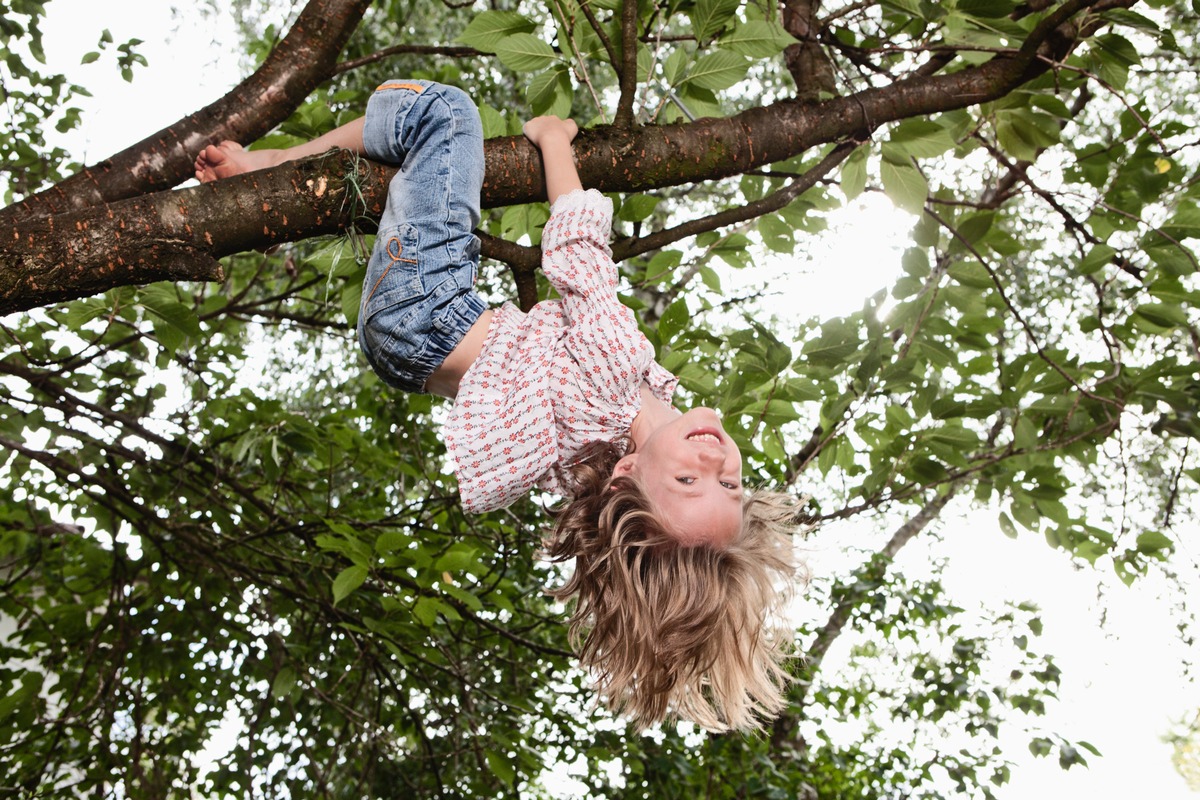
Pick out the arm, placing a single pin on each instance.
(552, 137)
(602, 333)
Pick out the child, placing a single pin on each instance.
(676, 565)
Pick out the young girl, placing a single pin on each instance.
(678, 570)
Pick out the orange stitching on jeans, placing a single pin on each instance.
(376, 286)
(394, 257)
(416, 87)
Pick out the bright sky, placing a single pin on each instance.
(1123, 686)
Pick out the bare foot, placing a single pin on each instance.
(227, 159)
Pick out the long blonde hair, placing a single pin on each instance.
(668, 630)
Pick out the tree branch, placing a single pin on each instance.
(304, 59)
(180, 235)
(627, 70)
(806, 61)
(850, 597)
(628, 248)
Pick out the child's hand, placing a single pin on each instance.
(544, 130)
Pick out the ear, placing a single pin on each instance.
(626, 466)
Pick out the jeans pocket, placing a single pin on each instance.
(394, 276)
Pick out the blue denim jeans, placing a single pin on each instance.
(418, 300)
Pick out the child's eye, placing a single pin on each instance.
(729, 485)
(686, 481)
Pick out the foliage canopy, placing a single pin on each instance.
(210, 509)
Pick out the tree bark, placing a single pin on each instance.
(807, 62)
(179, 235)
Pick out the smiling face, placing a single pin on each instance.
(692, 472)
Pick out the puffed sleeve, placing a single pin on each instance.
(602, 336)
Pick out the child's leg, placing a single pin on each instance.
(418, 301)
(229, 158)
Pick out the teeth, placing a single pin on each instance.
(704, 437)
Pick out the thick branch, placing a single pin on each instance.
(306, 57)
(806, 61)
(627, 70)
(522, 259)
(179, 235)
(709, 149)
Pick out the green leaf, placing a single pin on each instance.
(174, 323)
(488, 29)
(920, 138)
(773, 412)
(701, 102)
(911, 8)
(1098, 257)
(988, 9)
(838, 341)
(1024, 513)
(854, 174)
(971, 274)
(426, 610)
(955, 435)
(1023, 133)
(1150, 542)
(285, 681)
(524, 220)
(717, 71)
(637, 207)
(494, 123)
(732, 250)
(352, 297)
(391, 541)
(675, 66)
(905, 185)
(673, 320)
(711, 279)
(524, 52)
(550, 92)
(758, 39)
(1112, 55)
(501, 767)
(662, 265)
(1174, 259)
(457, 559)
(898, 416)
(776, 233)
(974, 227)
(1165, 315)
(347, 581)
(710, 16)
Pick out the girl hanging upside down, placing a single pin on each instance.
(679, 571)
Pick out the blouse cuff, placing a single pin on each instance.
(579, 199)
